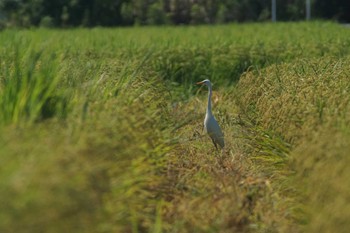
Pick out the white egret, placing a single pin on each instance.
(211, 126)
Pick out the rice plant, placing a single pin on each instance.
(101, 129)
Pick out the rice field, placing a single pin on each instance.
(102, 129)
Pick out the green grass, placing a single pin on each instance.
(101, 129)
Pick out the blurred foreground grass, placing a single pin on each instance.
(101, 129)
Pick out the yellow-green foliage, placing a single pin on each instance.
(307, 103)
(295, 99)
(101, 129)
(98, 173)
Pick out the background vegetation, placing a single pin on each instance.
(91, 13)
(101, 129)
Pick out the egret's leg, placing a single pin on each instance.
(215, 144)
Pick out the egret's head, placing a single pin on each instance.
(205, 82)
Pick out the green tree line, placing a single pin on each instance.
(90, 13)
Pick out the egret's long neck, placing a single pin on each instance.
(209, 100)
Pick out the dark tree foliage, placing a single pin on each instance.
(336, 10)
(90, 13)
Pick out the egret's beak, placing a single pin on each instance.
(200, 83)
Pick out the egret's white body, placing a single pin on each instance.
(211, 126)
